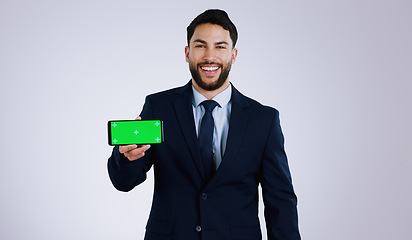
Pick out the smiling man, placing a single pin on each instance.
(210, 55)
(218, 147)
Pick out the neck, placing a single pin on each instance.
(210, 94)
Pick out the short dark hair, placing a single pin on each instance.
(213, 16)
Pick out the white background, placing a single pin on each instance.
(338, 71)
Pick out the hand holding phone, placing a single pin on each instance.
(140, 132)
(133, 152)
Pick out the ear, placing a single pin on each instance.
(187, 53)
(234, 55)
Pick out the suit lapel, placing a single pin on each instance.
(238, 123)
(184, 113)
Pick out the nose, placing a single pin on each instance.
(210, 54)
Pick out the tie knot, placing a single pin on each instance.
(209, 105)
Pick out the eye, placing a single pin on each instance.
(199, 46)
(221, 47)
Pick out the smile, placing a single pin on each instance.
(209, 68)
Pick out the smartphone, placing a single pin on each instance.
(124, 132)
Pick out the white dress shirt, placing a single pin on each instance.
(221, 117)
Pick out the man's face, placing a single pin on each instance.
(210, 56)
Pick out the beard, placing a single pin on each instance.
(211, 86)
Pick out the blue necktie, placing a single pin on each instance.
(206, 137)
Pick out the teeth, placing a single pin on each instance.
(210, 68)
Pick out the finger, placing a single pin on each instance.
(126, 148)
(138, 118)
(136, 153)
(133, 157)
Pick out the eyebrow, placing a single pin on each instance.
(199, 41)
(204, 42)
(222, 43)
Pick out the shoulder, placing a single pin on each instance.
(253, 105)
(169, 94)
(166, 93)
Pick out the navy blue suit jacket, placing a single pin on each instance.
(186, 206)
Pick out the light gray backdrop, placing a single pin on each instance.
(338, 71)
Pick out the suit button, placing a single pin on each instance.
(198, 228)
(204, 196)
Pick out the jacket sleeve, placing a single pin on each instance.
(278, 195)
(125, 174)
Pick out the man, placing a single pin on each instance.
(212, 160)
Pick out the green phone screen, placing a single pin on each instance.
(135, 132)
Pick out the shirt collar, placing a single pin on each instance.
(222, 98)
